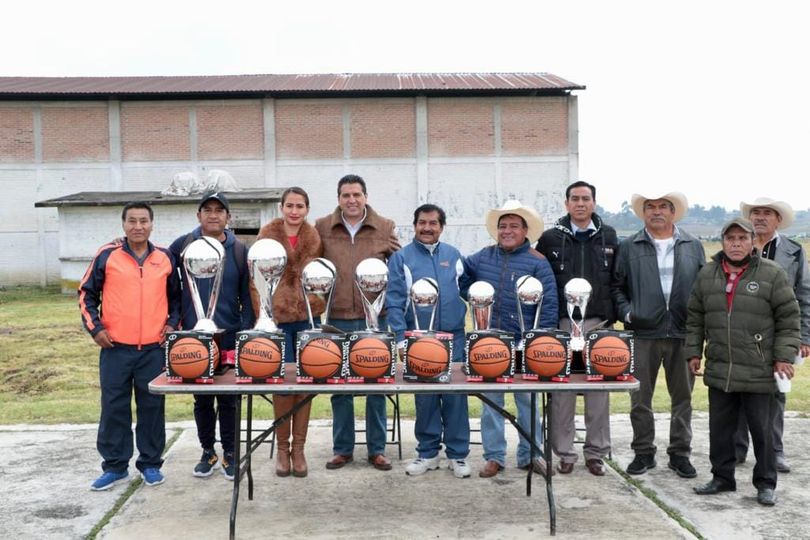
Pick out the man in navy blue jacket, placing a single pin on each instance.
(515, 227)
(234, 312)
(439, 417)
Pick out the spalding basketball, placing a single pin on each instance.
(489, 357)
(216, 353)
(321, 358)
(545, 356)
(610, 356)
(370, 357)
(188, 358)
(259, 358)
(427, 357)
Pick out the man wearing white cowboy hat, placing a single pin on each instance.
(652, 279)
(515, 227)
(769, 217)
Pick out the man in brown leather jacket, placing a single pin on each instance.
(353, 232)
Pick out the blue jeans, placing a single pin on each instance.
(446, 414)
(122, 370)
(343, 409)
(492, 430)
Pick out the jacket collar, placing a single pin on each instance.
(564, 224)
(230, 238)
(372, 220)
(520, 249)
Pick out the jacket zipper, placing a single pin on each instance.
(140, 318)
(728, 341)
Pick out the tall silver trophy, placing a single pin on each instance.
(204, 258)
(371, 277)
(481, 296)
(577, 293)
(267, 259)
(529, 291)
(424, 294)
(318, 277)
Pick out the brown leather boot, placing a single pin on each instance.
(299, 432)
(282, 405)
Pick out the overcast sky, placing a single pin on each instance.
(709, 97)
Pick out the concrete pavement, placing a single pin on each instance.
(48, 469)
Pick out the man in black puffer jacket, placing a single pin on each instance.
(581, 246)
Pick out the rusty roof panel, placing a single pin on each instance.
(292, 83)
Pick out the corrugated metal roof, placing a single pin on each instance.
(408, 83)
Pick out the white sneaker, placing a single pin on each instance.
(460, 468)
(422, 465)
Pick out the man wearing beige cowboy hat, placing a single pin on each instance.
(515, 228)
(769, 217)
(652, 279)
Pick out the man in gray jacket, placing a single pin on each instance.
(652, 279)
(769, 217)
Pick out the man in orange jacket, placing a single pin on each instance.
(129, 299)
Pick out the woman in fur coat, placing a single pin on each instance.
(302, 243)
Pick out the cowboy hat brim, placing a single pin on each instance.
(782, 208)
(532, 219)
(677, 199)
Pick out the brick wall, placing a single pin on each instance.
(155, 132)
(16, 134)
(383, 128)
(309, 130)
(460, 127)
(75, 134)
(534, 126)
(230, 131)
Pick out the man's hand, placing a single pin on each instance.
(103, 340)
(694, 365)
(783, 368)
(804, 350)
(166, 329)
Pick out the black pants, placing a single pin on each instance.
(206, 417)
(778, 420)
(724, 408)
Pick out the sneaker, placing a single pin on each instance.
(207, 464)
(152, 477)
(682, 467)
(422, 465)
(108, 480)
(641, 464)
(460, 468)
(228, 465)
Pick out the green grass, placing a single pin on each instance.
(49, 369)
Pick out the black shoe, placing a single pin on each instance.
(766, 496)
(713, 488)
(682, 467)
(782, 465)
(641, 464)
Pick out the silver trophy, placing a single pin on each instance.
(266, 261)
(529, 291)
(204, 258)
(481, 296)
(424, 294)
(371, 277)
(577, 294)
(318, 277)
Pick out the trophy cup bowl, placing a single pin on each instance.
(371, 275)
(318, 277)
(424, 293)
(481, 294)
(577, 292)
(204, 258)
(267, 259)
(529, 290)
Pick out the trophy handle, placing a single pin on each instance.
(520, 308)
(537, 313)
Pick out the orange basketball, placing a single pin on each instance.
(427, 357)
(545, 356)
(188, 358)
(610, 356)
(489, 357)
(321, 358)
(370, 357)
(259, 358)
(215, 353)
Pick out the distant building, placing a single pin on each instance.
(463, 141)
